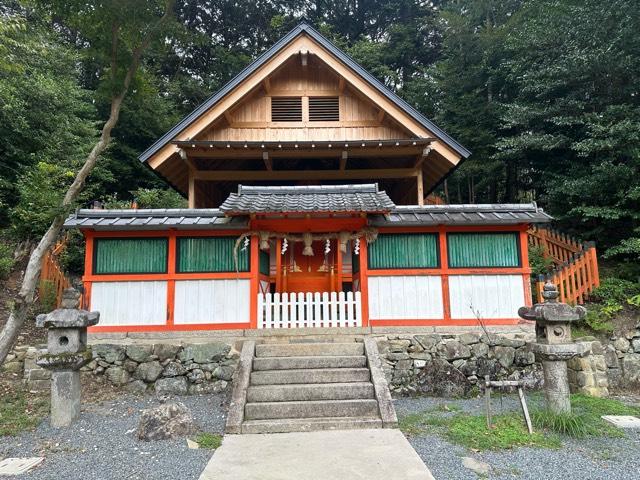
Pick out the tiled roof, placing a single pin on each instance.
(321, 198)
(483, 214)
(364, 198)
(153, 219)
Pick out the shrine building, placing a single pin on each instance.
(306, 181)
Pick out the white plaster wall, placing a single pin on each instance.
(485, 296)
(130, 303)
(405, 297)
(212, 301)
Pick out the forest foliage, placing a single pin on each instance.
(545, 93)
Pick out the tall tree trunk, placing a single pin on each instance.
(29, 284)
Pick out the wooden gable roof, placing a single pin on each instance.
(303, 38)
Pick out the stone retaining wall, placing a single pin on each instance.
(166, 368)
(434, 363)
(452, 365)
(622, 357)
(170, 369)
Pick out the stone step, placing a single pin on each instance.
(314, 408)
(293, 363)
(313, 391)
(309, 349)
(286, 425)
(311, 375)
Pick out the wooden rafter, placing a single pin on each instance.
(343, 160)
(267, 161)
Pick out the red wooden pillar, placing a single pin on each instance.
(526, 269)
(254, 281)
(278, 265)
(171, 282)
(444, 266)
(364, 282)
(338, 267)
(88, 268)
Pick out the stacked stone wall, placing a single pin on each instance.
(413, 363)
(454, 364)
(165, 368)
(622, 357)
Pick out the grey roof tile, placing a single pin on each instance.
(153, 219)
(315, 198)
(483, 214)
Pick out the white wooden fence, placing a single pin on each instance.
(308, 310)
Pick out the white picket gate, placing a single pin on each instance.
(309, 310)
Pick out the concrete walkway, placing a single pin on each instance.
(375, 454)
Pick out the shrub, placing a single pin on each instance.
(6, 260)
(72, 256)
(614, 289)
(46, 297)
(540, 264)
(611, 297)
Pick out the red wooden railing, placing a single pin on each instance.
(52, 277)
(575, 271)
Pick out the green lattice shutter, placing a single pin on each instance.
(410, 250)
(483, 250)
(210, 254)
(130, 255)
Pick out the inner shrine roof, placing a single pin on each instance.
(307, 199)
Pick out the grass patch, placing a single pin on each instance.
(471, 430)
(209, 440)
(585, 419)
(19, 412)
(509, 429)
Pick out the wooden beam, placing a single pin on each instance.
(228, 117)
(268, 175)
(303, 124)
(267, 85)
(303, 92)
(420, 187)
(343, 160)
(380, 115)
(192, 189)
(304, 57)
(341, 84)
(324, 152)
(267, 161)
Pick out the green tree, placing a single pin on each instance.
(45, 116)
(115, 34)
(573, 116)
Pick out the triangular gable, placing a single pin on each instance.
(303, 37)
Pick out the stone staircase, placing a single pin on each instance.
(306, 386)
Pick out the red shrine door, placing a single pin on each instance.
(317, 273)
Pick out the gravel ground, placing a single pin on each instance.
(101, 445)
(589, 459)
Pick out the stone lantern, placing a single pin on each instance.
(554, 346)
(66, 353)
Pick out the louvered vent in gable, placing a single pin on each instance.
(286, 109)
(324, 109)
